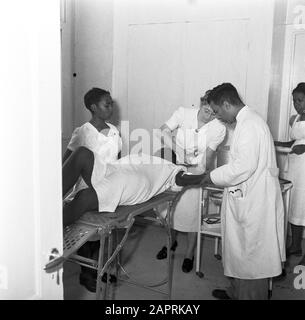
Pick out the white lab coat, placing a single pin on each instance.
(252, 211)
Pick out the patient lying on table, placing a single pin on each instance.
(128, 181)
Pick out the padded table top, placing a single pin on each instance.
(90, 223)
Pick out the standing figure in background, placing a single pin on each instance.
(198, 135)
(296, 172)
(103, 139)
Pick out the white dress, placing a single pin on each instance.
(105, 149)
(296, 174)
(132, 180)
(190, 138)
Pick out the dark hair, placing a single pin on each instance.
(94, 96)
(204, 98)
(299, 88)
(224, 92)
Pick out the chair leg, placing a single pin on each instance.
(202, 203)
(169, 243)
(100, 266)
(110, 248)
(269, 288)
(216, 246)
(117, 259)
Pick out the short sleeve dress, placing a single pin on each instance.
(191, 138)
(132, 180)
(296, 169)
(105, 149)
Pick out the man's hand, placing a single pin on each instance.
(298, 149)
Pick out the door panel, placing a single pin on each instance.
(298, 65)
(215, 52)
(155, 73)
(31, 208)
(169, 67)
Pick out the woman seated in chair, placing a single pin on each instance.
(102, 138)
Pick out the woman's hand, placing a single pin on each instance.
(181, 154)
(298, 149)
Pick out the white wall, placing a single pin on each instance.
(288, 64)
(67, 69)
(93, 51)
(30, 162)
(288, 68)
(259, 13)
(172, 51)
(87, 47)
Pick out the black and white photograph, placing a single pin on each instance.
(152, 151)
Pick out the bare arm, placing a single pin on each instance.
(66, 155)
(168, 140)
(286, 144)
(210, 158)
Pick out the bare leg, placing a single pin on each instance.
(162, 254)
(85, 200)
(191, 243)
(174, 236)
(184, 180)
(297, 235)
(80, 163)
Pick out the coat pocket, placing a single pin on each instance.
(273, 172)
(238, 207)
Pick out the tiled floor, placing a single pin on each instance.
(138, 258)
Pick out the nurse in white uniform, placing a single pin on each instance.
(252, 213)
(296, 169)
(197, 138)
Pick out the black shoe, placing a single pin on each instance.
(162, 254)
(86, 280)
(187, 265)
(89, 282)
(221, 294)
(112, 279)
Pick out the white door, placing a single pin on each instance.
(298, 63)
(30, 162)
(172, 64)
(155, 77)
(293, 73)
(216, 52)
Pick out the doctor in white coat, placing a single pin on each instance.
(252, 214)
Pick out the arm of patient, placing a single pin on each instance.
(184, 179)
(286, 144)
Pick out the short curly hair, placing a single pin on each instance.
(224, 92)
(93, 96)
(299, 88)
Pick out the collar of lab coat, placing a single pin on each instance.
(242, 113)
